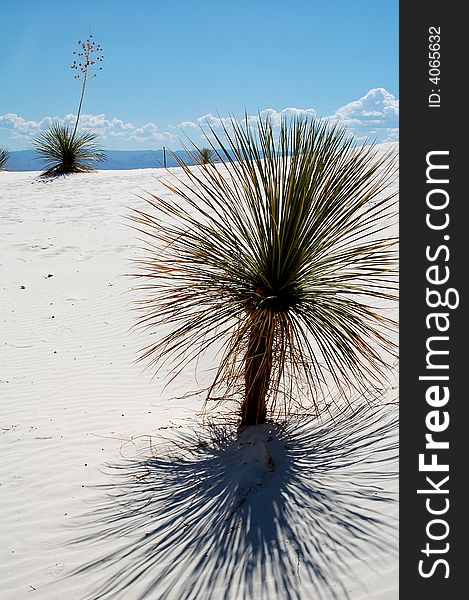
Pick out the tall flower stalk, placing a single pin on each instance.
(88, 58)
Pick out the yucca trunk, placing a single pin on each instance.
(257, 372)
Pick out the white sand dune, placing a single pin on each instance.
(86, 510)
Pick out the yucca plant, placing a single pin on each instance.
(204, 156)
(4, 157)
(65, 152)
(280, 254)
(64, 149)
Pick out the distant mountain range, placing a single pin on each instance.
(27, 160)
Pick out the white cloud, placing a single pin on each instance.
(213, 121)
(110, 131)
(286, 113)
(150, 132)
(187, 125)
(273, 115)
(375, 115)
(19, 127)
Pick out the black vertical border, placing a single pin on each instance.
(424, 129)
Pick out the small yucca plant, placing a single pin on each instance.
(4, 157)
(280, 254)
(204, 156)
(64, 152)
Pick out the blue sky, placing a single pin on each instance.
(171, 63)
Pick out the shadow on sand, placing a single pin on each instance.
(273, 512)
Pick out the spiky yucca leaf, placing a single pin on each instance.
(4, 156)
(67, 153)
(281, 253)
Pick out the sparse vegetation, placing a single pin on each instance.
(282, 260)
(204, 156)
(65, 150)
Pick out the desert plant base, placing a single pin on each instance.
(64, 170)
(65, 152)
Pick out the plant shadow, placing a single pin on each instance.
(269, 512)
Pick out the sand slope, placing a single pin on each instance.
(72, 401)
